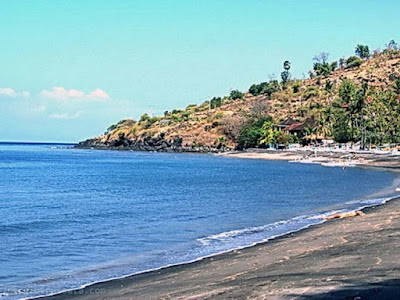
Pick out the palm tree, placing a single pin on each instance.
(310, 133)
(286, 65)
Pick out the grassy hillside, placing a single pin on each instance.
(354, 99)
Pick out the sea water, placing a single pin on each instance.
(70, 217)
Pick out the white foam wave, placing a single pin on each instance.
(271, 230)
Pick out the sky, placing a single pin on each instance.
(69, 69)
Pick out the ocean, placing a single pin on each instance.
(71, 217)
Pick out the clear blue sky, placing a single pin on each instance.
(116, 59)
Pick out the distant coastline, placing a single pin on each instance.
(37, 143)
(324, 156)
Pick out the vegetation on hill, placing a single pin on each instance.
(350, 100)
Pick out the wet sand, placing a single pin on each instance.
(353, 258)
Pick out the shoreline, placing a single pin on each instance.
(319, 157)
(295, 156)
(110, 287)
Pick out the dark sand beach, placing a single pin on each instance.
(352, 258)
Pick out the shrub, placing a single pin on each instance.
(215, 102)
(396, 86)
(235, 94)
(219, 115)
(111, 128)
(312, 91)
(257, 89)
(144, 118)
(272, 87)
(353, 61)
(328, 86)
(324, 69)
(296, 88)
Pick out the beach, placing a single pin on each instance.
(352, 258)
(303, 155)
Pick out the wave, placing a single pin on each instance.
(269, 231)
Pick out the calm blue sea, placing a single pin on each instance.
(70, 217)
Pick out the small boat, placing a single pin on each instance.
(339, 164)
(382, 152)
(361, 152)
(395, 153)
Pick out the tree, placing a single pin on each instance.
(321, 57)
(259, 109)
(310, 133)
(353, 61)
(362, 51)
(251, 133)
(215, 102)
(392, 45)
(356, 112)
(254, 90)
(346, 94)
(232, 126)
(324, 69)
(267, 133)
(334, 65)
(285, 75)
(340, 128)
(144, 118)
(342, 62)
(286, 65)
(235, 94)
(257, 89)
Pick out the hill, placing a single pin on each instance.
(354, 99)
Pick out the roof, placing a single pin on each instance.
(295, 127)
(289, 121)
(345, 105)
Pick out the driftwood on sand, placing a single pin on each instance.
(344, 215)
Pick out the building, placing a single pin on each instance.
(294, 127)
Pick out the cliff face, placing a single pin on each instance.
(148, 143)
(213, 128)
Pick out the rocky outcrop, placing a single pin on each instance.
(154, 144)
